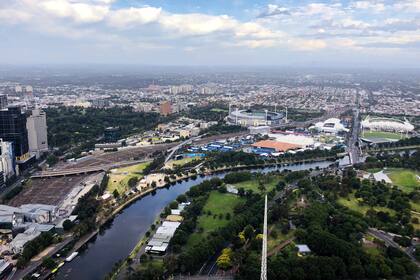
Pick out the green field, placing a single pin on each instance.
(180, 162)
(219, 110)
(217, 203)
(405, 179)
(382, 134)
(353, 203)
(118, 179)
(253, 184)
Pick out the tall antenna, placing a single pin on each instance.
(264, 245)
(286, 114)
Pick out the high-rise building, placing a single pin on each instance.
(13, 129)
(7, 162)
(112, 134)
(36, 125)
(3, 101)
(165, 108)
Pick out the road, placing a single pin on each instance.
(33, 265)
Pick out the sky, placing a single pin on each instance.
(366, 33)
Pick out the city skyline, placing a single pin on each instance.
(372, 34)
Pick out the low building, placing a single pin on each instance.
(18, 243)
(263, 130)
(271, 146)
(303, 249)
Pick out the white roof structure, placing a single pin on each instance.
(387, 124)
(332, 125)
(300, 140)
(381, 176)
(303, 248)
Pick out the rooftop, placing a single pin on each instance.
(278, 146)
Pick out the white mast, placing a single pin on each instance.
(264, 245)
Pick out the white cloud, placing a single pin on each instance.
(134, 16)
(79, 12)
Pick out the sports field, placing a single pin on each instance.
(118, 178)
(214, 214)
(407, 180)
(254, 184)
(382, 135)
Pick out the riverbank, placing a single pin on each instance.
(131, 219)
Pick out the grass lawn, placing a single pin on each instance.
(253, 184)
(415, 215)
(405, 179)
(217, 203)
(179, 162)
(353, 203)
(118, 178)
(382, 134)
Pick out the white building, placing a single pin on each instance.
(387, 124)
(7, 165)
(37, 132)
(332, 125)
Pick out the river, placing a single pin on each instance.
(116, 241)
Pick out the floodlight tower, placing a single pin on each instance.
(266, 117)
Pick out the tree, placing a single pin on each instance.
(116, 194)
(249, 232)
(132, 182)
(153, 185)
(224, 261)
(67, 225)
(173, 204)
(49, 263)
(181, 198)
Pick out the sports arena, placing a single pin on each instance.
(379, 129)
(254, 118)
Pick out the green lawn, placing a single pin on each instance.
(353, 203)
(179, 162)
(118, 179)
(253, 184)
(217, 203)
(219, 110)
(405, 179)
(381, 134)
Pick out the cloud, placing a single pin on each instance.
(274, 10)
(134, 16)
(376, 6)
(79, 12)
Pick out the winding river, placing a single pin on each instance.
(116, 241)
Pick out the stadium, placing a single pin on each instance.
(254, 118)
(379, 130)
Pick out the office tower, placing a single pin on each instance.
(112, 134)
(13, 129)
(36, 125)
(3, 101)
